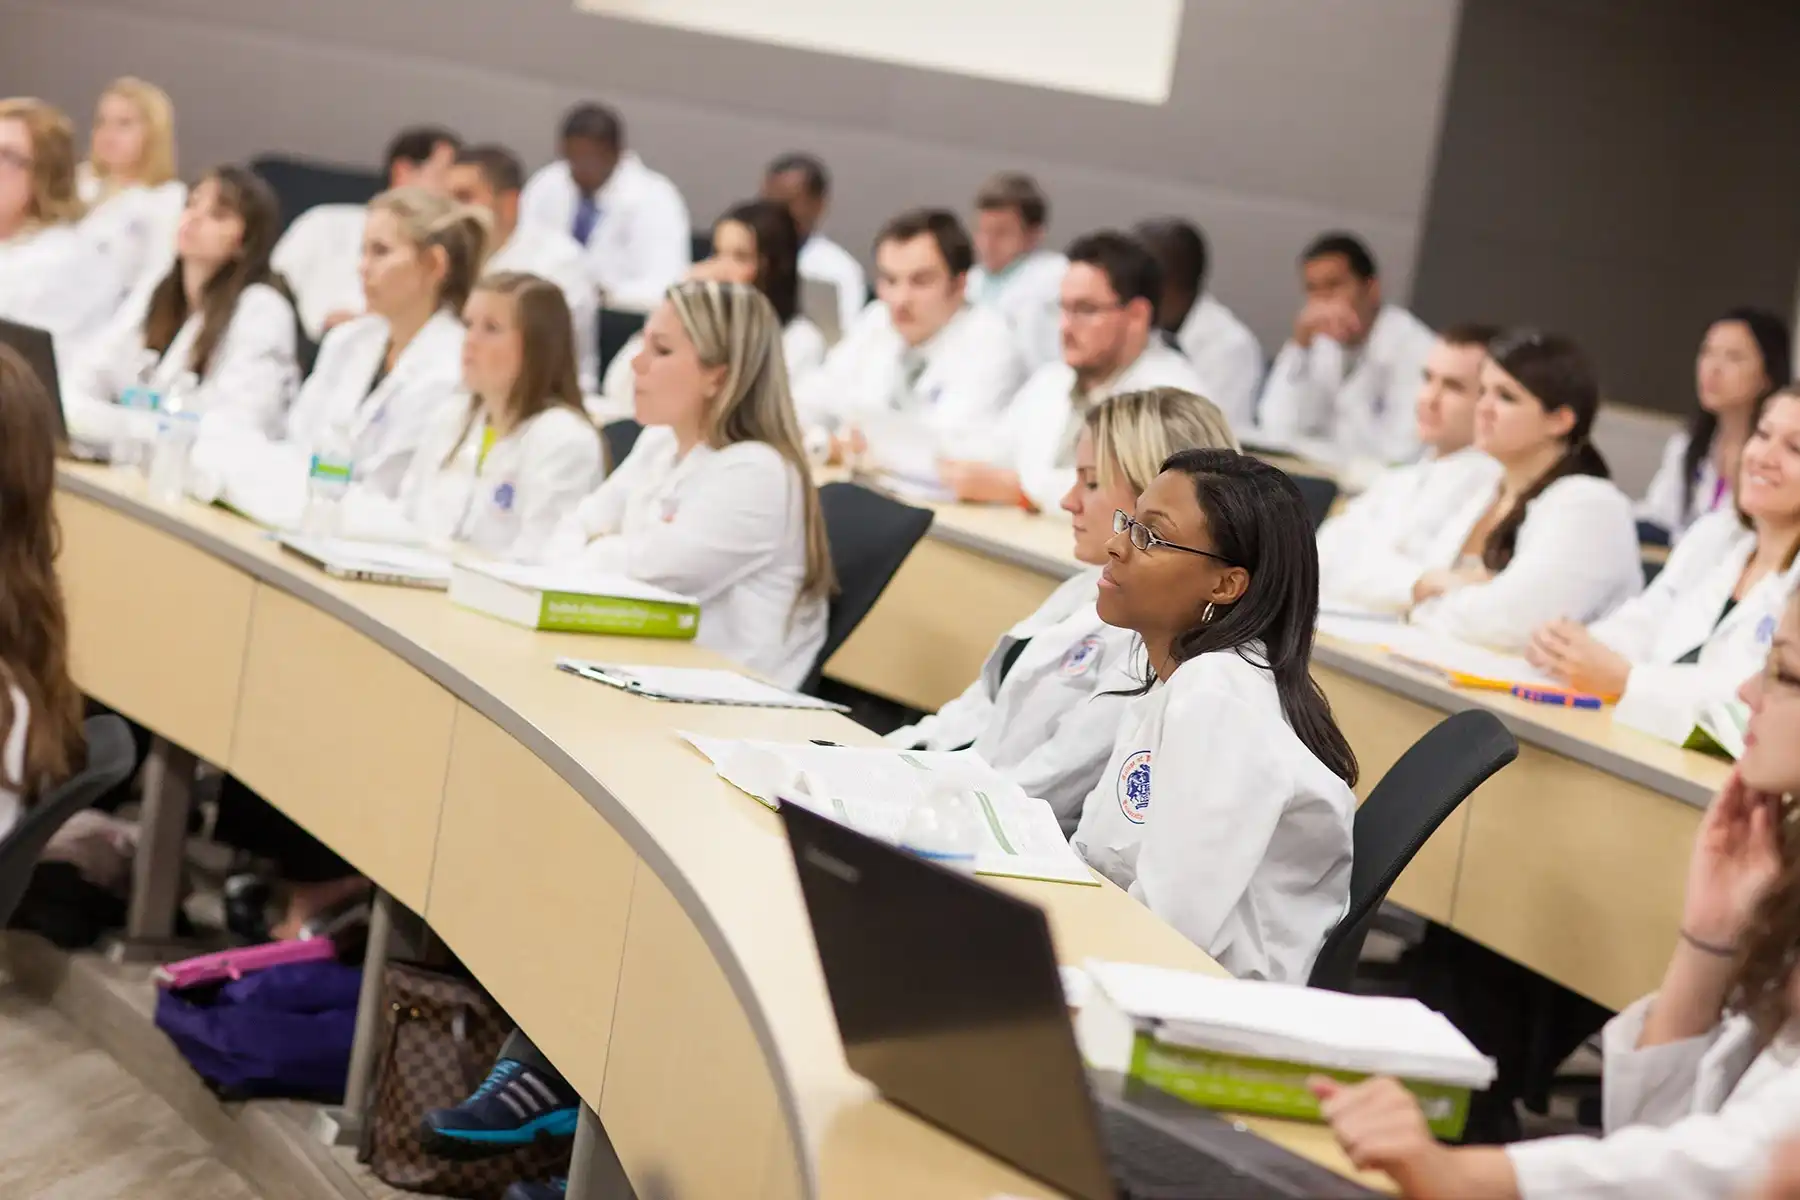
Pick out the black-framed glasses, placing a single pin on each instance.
(1143, 539)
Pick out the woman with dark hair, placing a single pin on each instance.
(754, 243)
(1555, 539)
(1226, 806)
(1701, 1080)
(221, 314)
(1744, 357)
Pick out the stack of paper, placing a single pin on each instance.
(372, 562)
(1461, 663)
(873, 790)
(692, 685)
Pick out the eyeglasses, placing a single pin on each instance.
(1143, 539)
(15, 160)
(1083, 311)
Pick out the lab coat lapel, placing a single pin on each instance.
(1696, 618)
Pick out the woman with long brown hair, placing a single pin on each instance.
(220, 314)
(1702, 1079)
(40, 708)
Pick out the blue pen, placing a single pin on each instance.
(1555, 696)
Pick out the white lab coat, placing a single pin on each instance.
(640, 244)
(1227, 356)
(559, 259)
(137, 227)
(970, 370)
(249, 382)
(1661, 505)
(802, 345)
(1372, 552)
(1049, 725)
(505, 504)
(1217, 817)
(60, 279)
(726, 526)
(387, 423)
(1699, 1117)
(320, 256)
(1680, 611)
(1037, 436)
(826, 261)
(1576, 558)
(1028, 293)
(1361, 400)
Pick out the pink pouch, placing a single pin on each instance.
(235, 964)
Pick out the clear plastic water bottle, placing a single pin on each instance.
(944, 828)
(131, 445)
(328, 480)
(176, 432)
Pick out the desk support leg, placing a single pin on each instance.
(161, 860)
(595, 1172)
(343, 1126)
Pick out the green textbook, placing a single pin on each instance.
(562, 600)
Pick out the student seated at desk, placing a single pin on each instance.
(1013, 273)
(1221, 348)
(1049, 699)
(1555, 539)
(129, 185)
(1744, 357)
(1348, 373)
(632, 221)
(754, 243)
(716, 499)
(1372, 552)
(53, 275)
(498, 476)
(1109, 345)
(41, 740)
(220, 315)
(1700, 1080)
(320, 252)
(1704, 625)
(382, 380)
(1226, 807)
(801, 183)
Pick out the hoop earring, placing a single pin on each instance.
(1207, 616)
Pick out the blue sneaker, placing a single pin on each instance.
(556, 1189)
(515, 1107)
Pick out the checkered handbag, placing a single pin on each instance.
(442, 1035)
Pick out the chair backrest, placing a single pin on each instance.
(110, 759)
(871, 535)
(619, 437)
(1319, 493)
(617, 325)
(1416, 795)
(300, 184)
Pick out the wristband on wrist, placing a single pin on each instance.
(1706, 947)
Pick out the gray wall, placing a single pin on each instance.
(1287, 116)
(1622, 170)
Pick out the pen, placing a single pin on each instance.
(1556, 696)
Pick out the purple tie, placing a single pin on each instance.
(587, 215)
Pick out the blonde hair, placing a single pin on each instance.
(156, 165)
(1135, 432)
(433, 222)
(733, 325)
(54, 200)
(548, 377)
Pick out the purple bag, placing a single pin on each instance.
(282, 1032)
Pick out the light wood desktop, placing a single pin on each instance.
(638, 916)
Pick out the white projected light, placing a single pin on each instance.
(1120, 49)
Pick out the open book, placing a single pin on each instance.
(1462, 664)
(873, 790)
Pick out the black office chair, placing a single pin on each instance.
(300, 184)
(617, 326)
(700, 245)
(110, 759)
(1416, 795)
(1652, 567)
(871, 535)
(619, 437)
(1651, 534)
(1319, 494)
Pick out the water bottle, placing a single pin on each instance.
(328, 480)
(175, 435)
(130, 446)
(943, 827)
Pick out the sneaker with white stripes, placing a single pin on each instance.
(516, 1106)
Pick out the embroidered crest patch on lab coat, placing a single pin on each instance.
(1082, 657)
(1134, 787)
(503, 497)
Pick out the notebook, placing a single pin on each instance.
(693, 685)
(372, 562)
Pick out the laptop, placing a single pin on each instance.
(819, 304)
(949, 1001)
(38, 349)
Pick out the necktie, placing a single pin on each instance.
(587, 215)
(912, 369)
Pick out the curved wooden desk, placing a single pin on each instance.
(639, 917)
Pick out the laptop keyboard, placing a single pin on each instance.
(1149, 1164)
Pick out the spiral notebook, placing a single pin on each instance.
(692, 685)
